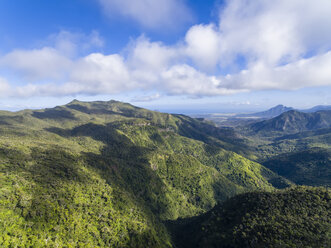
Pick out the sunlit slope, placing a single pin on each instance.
(107, 173)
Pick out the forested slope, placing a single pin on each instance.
(108, 174)
(295, 217)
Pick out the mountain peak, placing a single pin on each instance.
(75, 101)
(270, 113)
(279, 106)
(293, 121)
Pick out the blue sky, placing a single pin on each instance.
(171, 55)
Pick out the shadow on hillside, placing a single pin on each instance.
(43, 165)
(55, 114)
(122, 163)
(225, 138)
(43, 176)
(184, 231)
(8, 120)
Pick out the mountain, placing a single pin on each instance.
(295, 217)
(108, 174)
(307, 167)
(278, 143)
(317, 108)
(293, 122)
(240, 120)
(279, 109)
(292, 131)
(270, 113)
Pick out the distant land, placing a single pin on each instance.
(295, 121)
(270, 113)
(234, 119)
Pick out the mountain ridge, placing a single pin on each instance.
(146, 167)
(280, 109)
(270, 113)
(294, 121)
(317, 108)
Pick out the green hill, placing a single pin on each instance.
(308, 167)
(296, 217)
(107, 174)
(290, 132)
(293, 122)
(297, 142)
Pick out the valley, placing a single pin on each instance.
(109, 174)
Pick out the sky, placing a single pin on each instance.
(180, 56)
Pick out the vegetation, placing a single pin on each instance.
(292, 122)
(107, 174)
(295, 217)
(50, 197)
(308, 167)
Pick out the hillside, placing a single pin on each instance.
(296, 217)
(307, 167)
(108, 174)
(290, 132)
(317, 108)
(292, 122)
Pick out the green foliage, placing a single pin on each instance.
(295, 217)
(106, 174)
(52, 198)
(308, 167)
(269, 147)
(291, 131)
(293, 122)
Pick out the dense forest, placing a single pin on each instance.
(294, 217)
(108, 174)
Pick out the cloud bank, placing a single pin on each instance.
(257, 45)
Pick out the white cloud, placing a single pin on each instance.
(147, 60)
(102, 74)
(275, 38)
(4, 87)
(274, 32)
(184, 79)
(99, 74)
(53, 61)
(149, 13)
(203, 45)
(310, 72)
(146, 98)
(151, 55)
(37, 64)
